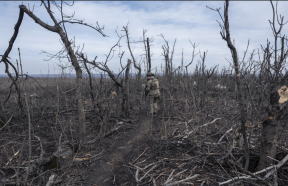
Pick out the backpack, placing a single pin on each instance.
(154, 84)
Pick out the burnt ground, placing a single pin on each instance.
(112, 168)
(158, 152)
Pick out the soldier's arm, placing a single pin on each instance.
(148, 87)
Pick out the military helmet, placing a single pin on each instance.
(149, 74)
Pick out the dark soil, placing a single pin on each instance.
(143, 149)
(113, 168)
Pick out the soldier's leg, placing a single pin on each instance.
(151, 102)
(155, 105)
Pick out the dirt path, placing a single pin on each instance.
(112, 169)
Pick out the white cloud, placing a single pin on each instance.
(181, 20)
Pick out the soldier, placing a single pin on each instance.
(152, 91)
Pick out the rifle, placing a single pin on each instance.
(146, 92)
(144, 86)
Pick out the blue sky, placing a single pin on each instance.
(184, 20)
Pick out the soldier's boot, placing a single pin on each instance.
(154, 111)
(155, 108)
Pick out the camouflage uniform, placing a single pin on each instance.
(153, 93)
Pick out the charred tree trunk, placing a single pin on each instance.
(269, 135)
(7, 62)
(225, 34)
(81, 114)
(171, 58)
(166, 58)
(58, 29)
(167, 65)
(182, 62)
(90, 85)
(125, 90)
(149, 57)
(146, 52)
(237, 78)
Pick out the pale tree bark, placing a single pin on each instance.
(138, 67)
(166, 51)
(171, 57)
(146, 52)
(193, 56)
(182, 62)
(168, 59)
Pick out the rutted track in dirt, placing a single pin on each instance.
(111, 168)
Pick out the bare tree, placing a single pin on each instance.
(168, 59)
(90, 84)
(225, 34)
(276, 83)
(125, 102)
(206, 75)
(123, 85)
(182, 61)
(147, 42)
(145, 48)
(138, 67)
(7, 62)
(149, 56)
(60, 29)
(193, 56)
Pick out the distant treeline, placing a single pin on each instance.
(66, 75)
(74, 75)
